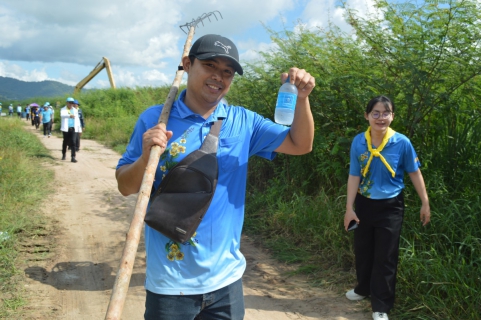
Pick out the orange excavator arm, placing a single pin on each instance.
(104, 63)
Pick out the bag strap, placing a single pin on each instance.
(212, 140)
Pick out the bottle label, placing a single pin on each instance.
(286, 100)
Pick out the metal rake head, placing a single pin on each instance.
(200, 19)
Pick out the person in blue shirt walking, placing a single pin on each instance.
(27, 112)
(379, 158)
(202, 278)
(19, 110)
(46, 118)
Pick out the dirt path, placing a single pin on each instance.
(74, 279)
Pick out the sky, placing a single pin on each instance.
(63, 40)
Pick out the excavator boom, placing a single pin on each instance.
(104, 63)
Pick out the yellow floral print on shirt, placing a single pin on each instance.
(366, 182)
(168, 159)
(174, 249)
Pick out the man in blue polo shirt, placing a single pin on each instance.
(203, 276)
(46, 115)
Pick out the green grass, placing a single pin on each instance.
(110, 115)
(439, 265)
(24, 183)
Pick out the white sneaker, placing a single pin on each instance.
(379, 316)
(351, 295)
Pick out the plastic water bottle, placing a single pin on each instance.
(286, 104)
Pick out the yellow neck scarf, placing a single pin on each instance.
(377, 152)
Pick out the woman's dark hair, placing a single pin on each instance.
(388, 104)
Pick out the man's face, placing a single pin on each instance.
(209, 81)
(70, 104)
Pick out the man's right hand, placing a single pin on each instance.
(155, 136)
(129, 177)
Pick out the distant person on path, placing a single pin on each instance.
(82, 124)
(27, 112)
(10, 110)
(379, 158)
(0, 109)
(53, 116)
(19, 110)
(32, 114)
(70, 126)
(46, 118)
(36, 117)
(202, 278)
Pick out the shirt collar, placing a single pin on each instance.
(184, 111)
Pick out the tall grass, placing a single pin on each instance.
(439, 265)
(24, 183)
(110, 115)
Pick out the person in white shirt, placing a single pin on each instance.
(70, 127)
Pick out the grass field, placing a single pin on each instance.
(24, 183)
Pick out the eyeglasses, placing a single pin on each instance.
(382, 115)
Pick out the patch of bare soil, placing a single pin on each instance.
(70, 268)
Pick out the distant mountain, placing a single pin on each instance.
(13, 89)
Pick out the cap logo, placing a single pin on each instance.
(220, 44)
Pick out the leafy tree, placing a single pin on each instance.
(425, 57)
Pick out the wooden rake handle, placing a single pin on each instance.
(122, 280)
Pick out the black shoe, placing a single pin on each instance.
(63, 157)
(73, 159)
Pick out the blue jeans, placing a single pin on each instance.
(226, 303)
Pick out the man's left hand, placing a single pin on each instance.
(302, 80)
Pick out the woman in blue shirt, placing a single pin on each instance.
(379, 158)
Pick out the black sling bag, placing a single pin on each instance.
(185, 193)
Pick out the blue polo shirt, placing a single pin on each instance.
(46, 115)
(211, 259)
(379, 183)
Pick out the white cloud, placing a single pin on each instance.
(137, 35)
(252, 48)
(12, 70)
(68, 77)
(155, 76)
(320, 13)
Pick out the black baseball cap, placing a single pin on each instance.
(213, 45)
